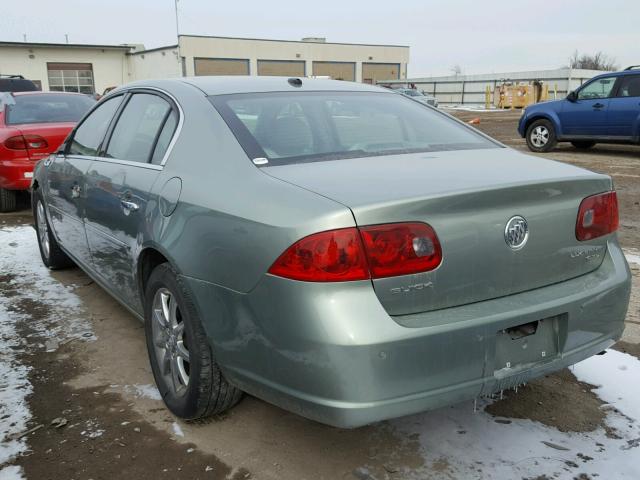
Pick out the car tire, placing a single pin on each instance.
(541, 136)
(52, 255)
(7, 200)
(583, 145)
(183, 364)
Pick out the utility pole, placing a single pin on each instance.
(178, 38)
(66, 37)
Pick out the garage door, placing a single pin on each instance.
(221, 66)
(373, 72)
(284, 68)
(335, 70)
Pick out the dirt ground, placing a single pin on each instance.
(116, 427)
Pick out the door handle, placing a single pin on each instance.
(75, 191)
(129, 206)
(598, 105)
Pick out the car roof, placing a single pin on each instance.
(40, 92)
(225, 85)
(622, 73)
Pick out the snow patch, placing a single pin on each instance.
(617, 376)
(177, 429)
(143, 391)
(12, 472)
(632, 257)
(32, 297)
(474, 445)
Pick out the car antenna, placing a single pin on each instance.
(295, 82)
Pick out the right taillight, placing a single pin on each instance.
(597, 216)
(401, 249)
(349, 254)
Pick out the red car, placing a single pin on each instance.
(32, 126)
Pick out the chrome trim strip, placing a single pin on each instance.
(149, 166)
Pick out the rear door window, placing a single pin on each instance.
(164, 139)
(89, 135)
(137, 129)
(629, 86)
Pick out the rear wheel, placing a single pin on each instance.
(7, 200)
(583, 145)
(51, 253)
(186, 373)
(541, 136)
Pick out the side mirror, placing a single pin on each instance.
(572, 97)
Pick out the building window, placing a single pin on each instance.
(70, 77)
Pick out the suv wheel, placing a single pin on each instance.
(186, 373)
(541, 136)
(52, 255)
(7, 200)
(583, 145)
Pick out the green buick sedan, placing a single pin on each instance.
(333, 248)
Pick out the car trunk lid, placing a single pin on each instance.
(468, 197)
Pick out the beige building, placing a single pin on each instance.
(92, 68)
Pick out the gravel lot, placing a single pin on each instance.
(70, 354)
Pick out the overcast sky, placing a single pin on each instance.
(481, 36)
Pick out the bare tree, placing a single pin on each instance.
(597, 61)
(456, 70)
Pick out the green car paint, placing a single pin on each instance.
(349, 353)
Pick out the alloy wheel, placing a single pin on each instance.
(43, 229)
(540, 136)
(171, 348)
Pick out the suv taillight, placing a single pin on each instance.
(349, 254)
(25, 142)
(597, 216)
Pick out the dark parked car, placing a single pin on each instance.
(606, 109)
(334, 248)
(16, 83)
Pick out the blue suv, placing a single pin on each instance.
(606, 109)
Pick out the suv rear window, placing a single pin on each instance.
(314, 126)
(47, 108)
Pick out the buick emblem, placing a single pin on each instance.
(516, 233)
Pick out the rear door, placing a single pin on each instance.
(624, 108)
(118, 186)
(66, 190)
(588, 115)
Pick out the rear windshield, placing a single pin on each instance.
(47, 108)
(314, 126)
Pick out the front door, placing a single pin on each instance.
(588, 114)
(118, 191)
(624, 108)
(66, 180)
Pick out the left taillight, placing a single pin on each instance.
(597, 216)
(25, 142)
(349, 254)
(333, 256)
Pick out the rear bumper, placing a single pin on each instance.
(331, 353)
(16, 174)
